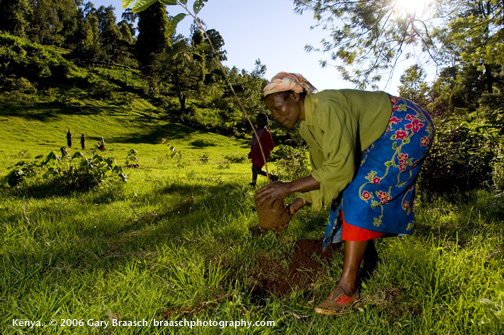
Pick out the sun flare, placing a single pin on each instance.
(412, 6)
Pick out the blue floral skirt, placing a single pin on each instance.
(380, 198)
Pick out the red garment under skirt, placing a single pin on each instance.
(353, 233)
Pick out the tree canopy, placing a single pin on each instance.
(366, 39)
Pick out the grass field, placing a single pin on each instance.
(173, 244)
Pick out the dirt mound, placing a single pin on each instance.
(273, 216)
(273, 275)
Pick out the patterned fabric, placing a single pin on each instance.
(285, 81)
(339, 125)
(381, 196)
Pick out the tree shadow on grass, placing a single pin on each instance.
(169, 132)
(50, 111)
(49, 189)
(111, 246)
(198, 144)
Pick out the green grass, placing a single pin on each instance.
(174, 243)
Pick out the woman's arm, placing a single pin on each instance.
(280, 190)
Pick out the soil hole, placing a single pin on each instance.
(272, 275)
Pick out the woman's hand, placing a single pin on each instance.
(272, 192)
(293, 208)
(280, 190)
(296, 205)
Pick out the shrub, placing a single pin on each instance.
(498, 173)
(21, 85)
(204, 158)
(67, 173)
(234, 158)
(461, 158)
(132, 157)
(102, 89)
(174, 153)
(35, 62)
(292, 162)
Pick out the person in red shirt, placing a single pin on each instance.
(255, 151)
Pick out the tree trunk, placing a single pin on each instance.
(489, 78)
(181, 97)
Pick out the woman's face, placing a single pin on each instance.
(288, 112)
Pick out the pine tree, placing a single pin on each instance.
(152, 36)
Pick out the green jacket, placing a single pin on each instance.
(338, 126)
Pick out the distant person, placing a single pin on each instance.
(366, 150)
(255, 151)
(69, 139)
(101, 144)
(83, 142)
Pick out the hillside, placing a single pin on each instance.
(37, 131)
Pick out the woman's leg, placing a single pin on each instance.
(354, 254)
(254, 174)
(346, 293)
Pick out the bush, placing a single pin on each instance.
(498, 174)
(462, 157)
(132, 157)
(35, 63)
(21, 85)
(292, 162)
(235, 158)
(67, 173)
(102, 89)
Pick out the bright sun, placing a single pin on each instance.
(412, 6)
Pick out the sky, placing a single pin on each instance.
(268, 30)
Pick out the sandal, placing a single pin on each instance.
(337, 302)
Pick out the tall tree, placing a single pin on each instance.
(85, 41)
(153, 36)
(127, 25)
(199, 47)
(476, 29)
(214, 37)
(81, 41)
(13, 16)
(176, 68)
(413, 85)
(110, 35)
(51, 21)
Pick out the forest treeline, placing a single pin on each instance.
(51, 49)
(55, 42)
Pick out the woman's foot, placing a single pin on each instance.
(273, 177)
(337, 302)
